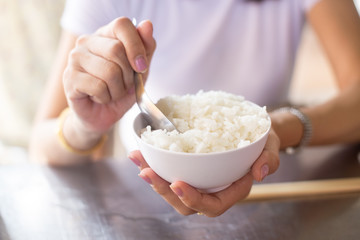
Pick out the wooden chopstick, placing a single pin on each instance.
(299, 189)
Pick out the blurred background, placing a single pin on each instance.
(29, 33)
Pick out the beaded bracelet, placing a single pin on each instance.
(67, 146)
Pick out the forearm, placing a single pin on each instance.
(46, 147)
(338, 120)
(335, 121)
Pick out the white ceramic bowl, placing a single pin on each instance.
(208, 172)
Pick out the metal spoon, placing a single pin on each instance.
(155, 118)
(152, 114)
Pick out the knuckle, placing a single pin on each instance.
(276, 162)
(122, 25)
(277, 139)
(101, 92)
(115, 49)
(100, 88)
(193, 203)
(81, 40)
(121, 22)
(69, 86)
(161, 189)
(68, 75)
(112, 72)
(74, 55)
(266, 155)
(273, 159)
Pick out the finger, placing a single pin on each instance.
(109, 72)
(111, 49)
(268, 162)
(138, 159)
(145, 30)
(123, 29)
(238, 190)
(158, 184)
(85, 85)
(162, 187)
(214, 204)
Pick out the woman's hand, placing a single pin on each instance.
(187, 200)
(98, 79)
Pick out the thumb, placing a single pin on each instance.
(268, 162)
(145, 30)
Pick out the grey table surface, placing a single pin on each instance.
(107, 200)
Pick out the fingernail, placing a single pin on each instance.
(145, 178)
(264, 171)
(134, 160)
(177, 191)
(140, 64)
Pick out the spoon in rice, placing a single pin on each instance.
(152, 114)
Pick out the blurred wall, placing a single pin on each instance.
(29, 31)
(313, 80)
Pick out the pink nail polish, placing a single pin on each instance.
(264, 171)
(145, 178)
(177, 191)
(134, 160)
(140, 64)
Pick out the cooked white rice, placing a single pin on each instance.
(212, 121)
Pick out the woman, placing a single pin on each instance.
(243, 47)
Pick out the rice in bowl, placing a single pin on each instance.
(213, 121)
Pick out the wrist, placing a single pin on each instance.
(76, 136)
(293, 128)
